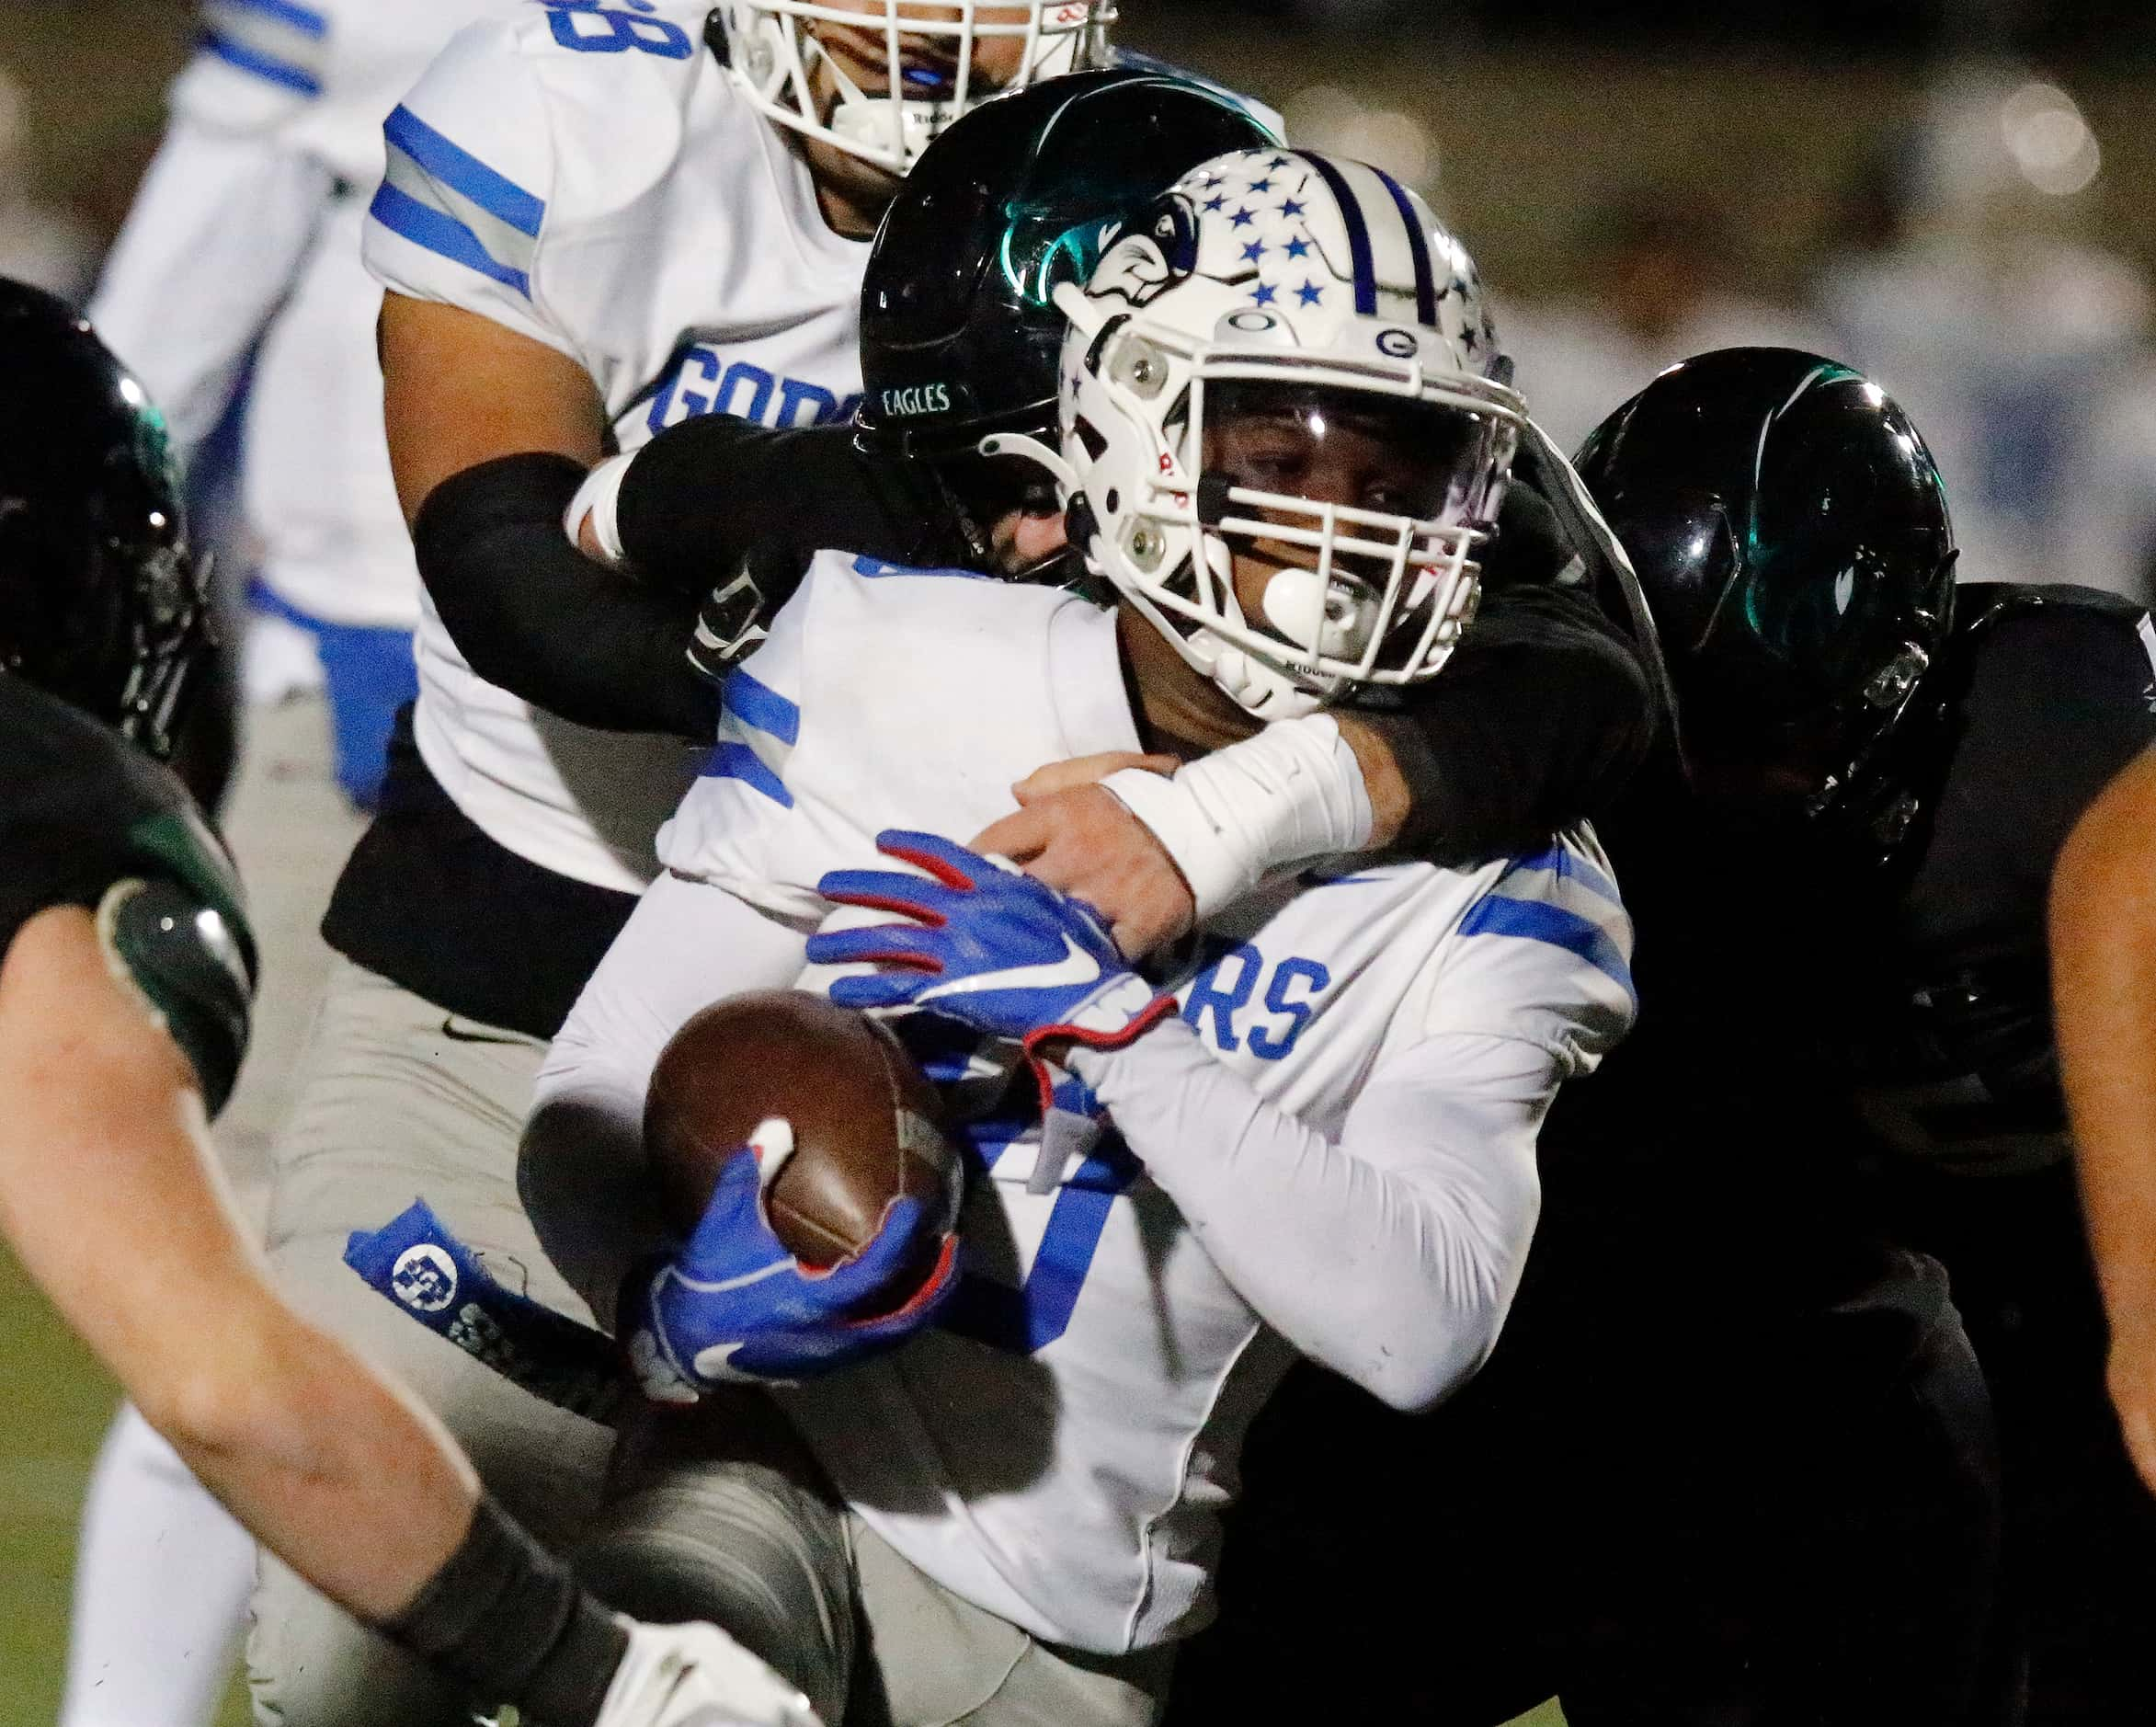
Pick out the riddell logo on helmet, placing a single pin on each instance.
(924, 398)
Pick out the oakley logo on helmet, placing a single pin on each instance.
(1399, 345)
(923, 398)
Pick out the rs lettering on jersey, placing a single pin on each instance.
(1229, 986)
(702, 381)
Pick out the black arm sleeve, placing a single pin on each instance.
(533, 614)
(1540, 718)
(701, 494)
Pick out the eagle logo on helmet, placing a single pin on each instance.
(1159, 250)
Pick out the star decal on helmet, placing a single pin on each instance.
(1267, 295)
(1243, 218)
(1292, 208)
(1255, 250)
(1298, 247)
(1311, 294)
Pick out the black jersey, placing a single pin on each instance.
(1804, 1008)
(2054, 693)
(86, 819)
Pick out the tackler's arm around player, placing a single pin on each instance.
(2103, 983)
(1539, 721)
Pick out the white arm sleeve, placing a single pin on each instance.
(1293, 793)
(580, 1172)
(218, 233)
(1390, 1254)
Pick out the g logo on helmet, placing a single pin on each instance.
(1158, 250)
(424, 1278)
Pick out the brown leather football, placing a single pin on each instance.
(864, 1119)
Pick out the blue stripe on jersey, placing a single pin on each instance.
(262, 65)
(1418, 248)
(1569, 865)
(874, 569)
(422, 224)
(759, 706)
(730, 761)
(463, 173)
(1351, 211)
(1538, 921)
(304, 19)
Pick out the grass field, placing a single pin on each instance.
(58, 1401)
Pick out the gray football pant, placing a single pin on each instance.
(396, 1100)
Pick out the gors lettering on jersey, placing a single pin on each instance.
(703, 381)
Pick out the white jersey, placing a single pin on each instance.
(245, 240)
(591, 179)
(1058, 1450)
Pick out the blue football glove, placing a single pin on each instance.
(986, 946)
(733, 1306)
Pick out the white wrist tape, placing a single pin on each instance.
(600, 497)
(1292, 794)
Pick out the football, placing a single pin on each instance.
(863, 1120)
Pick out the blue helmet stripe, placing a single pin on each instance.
(1418, 249)
(1351, 211)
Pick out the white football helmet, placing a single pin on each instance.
(1290, 366)
(928, 51)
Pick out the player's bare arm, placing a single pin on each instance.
(105, 1123)
(459, 389)
(2104, 986)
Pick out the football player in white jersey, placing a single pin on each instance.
(1282, 437)
(591, 225)
(244, 244)
(240, 262)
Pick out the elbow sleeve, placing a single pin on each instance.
(531, 613)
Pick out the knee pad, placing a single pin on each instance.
(756, 1545)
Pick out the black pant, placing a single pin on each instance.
(1669, 1501)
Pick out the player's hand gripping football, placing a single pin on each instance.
(736, 1306)
(987, 947)
(695, 1676)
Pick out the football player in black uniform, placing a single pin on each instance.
(1904, 758)
(1733, 1461)
(124, 994)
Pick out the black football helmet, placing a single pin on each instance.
(959, 336)
(1789, 530)
(102, 603)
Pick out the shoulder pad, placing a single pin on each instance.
(184, 960)
(87, 821)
